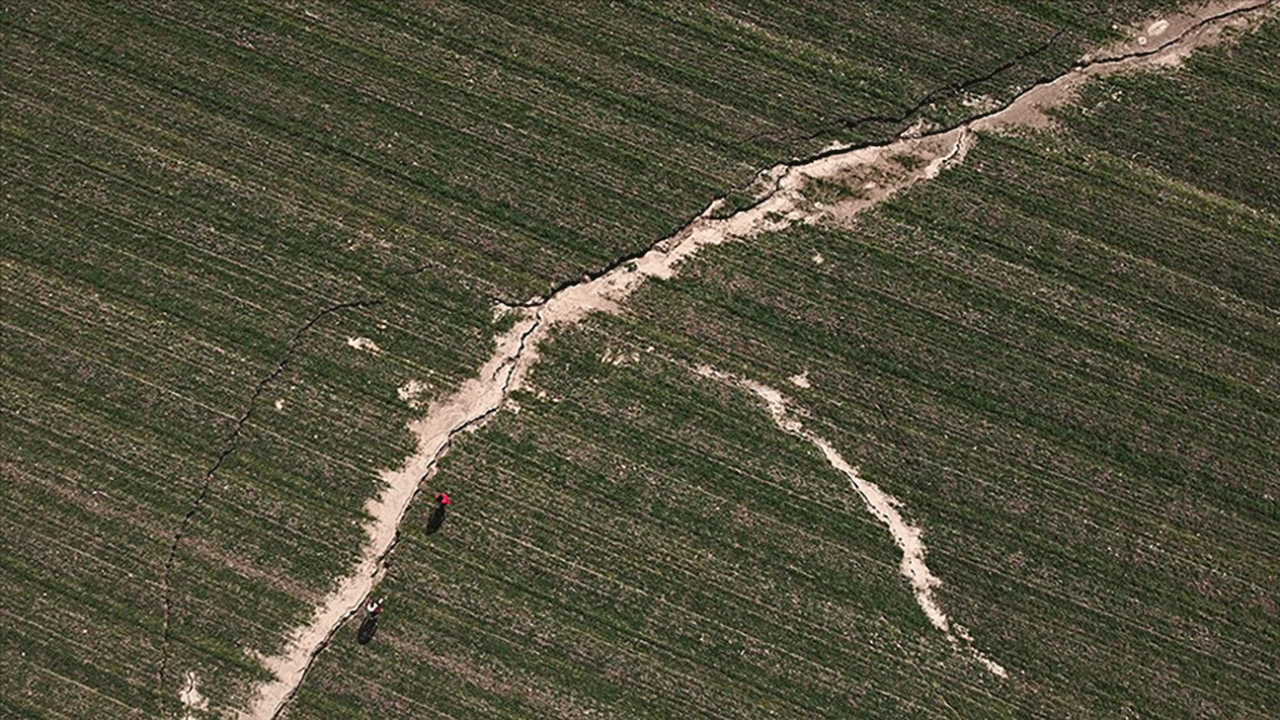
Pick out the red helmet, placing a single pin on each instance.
(443, 498)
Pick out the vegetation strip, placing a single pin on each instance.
(780, 201)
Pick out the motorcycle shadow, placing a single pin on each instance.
(367, 630)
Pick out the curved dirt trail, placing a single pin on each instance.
(872, 174)
(879, 503)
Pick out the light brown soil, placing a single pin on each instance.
(192, 701)
(871, 175)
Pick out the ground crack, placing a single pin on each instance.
(946, 92)
(1076, 67)
(382, 563)
(516, 351)
(232, 442)
(933, 96)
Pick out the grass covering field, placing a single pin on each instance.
(233, 233)
(1061, 356)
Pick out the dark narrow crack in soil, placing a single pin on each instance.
(1075, 67)
(946, 92)
(232, 442)
(936, 95)
(933, 96)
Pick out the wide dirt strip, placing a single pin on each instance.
(782, 198)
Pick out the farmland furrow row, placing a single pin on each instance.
(479, 625)
(143, 520)
(682, 610)
(138, 576)
(765, 612)
(222, 258)
(51, 293)
(1107, 505)
(190, 276)
(557, 156)
(69, 686)
(661, 478)
(1080, 303)
(115, 369)
(580, 531)
(332, 145)
(301, 491)
(518, 348)
(60, 98)
(631, 637)
(974, 373)
(343, 81)
(683, 119)
(946, 92)
(819, 351)
(735, 450)
(1218, 421)
(878, 503)
(118, 175)
(1119, 618)
(337, 33)
(54, 711)
(641, 62)
(186, 367)
(1063, 486)
(39, 632)
(1113, 500)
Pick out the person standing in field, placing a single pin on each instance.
(437, 516)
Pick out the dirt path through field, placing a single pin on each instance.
(833, 186)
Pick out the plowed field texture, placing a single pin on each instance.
(243, 244)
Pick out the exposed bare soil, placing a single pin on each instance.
(790, 193)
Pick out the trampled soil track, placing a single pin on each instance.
(875, 171)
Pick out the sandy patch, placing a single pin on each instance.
(411, 393)
(364, 343)
(801, 380)
(192, 701)
(614, 357)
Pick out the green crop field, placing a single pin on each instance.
(233, 234)
(1062, 356)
